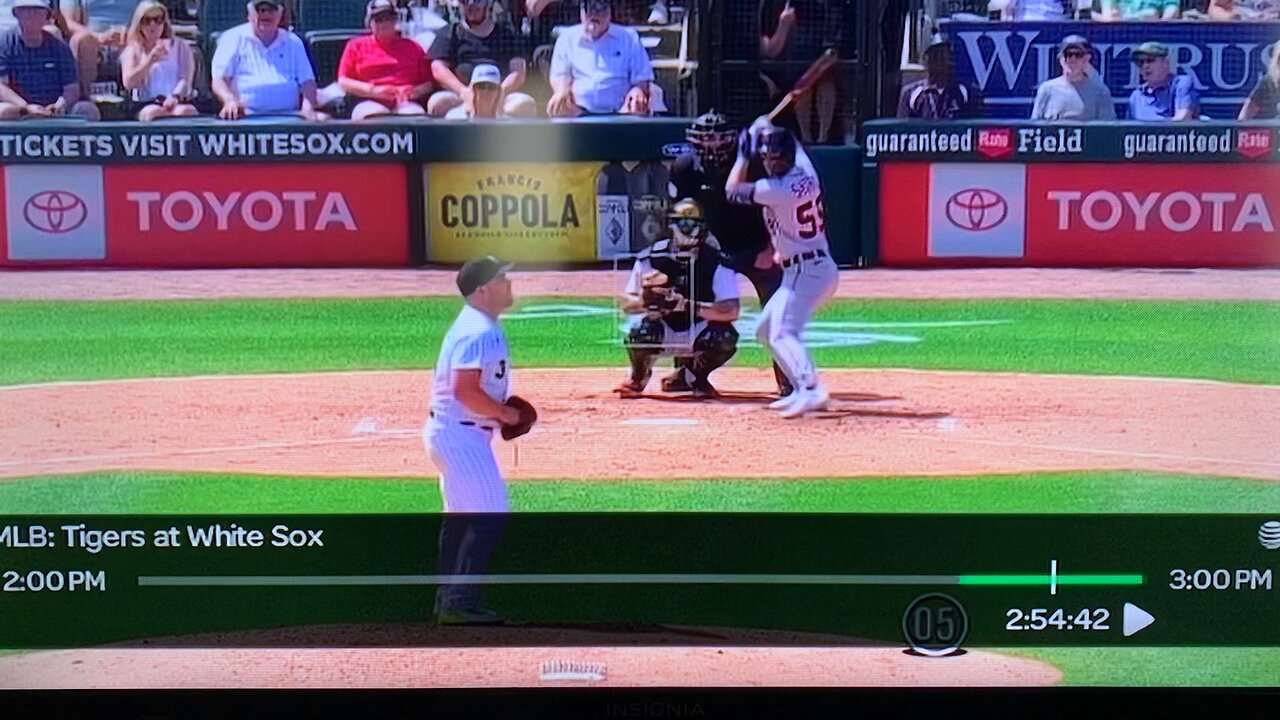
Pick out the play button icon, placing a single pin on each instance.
(1135, 619)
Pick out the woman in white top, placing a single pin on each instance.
(157, 67)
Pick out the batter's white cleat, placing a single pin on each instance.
(785, 401)
(810, 400)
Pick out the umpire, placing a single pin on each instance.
(740, 229)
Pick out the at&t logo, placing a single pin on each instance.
(55, 211)
(977, 209)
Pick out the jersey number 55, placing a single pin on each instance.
(812, 218)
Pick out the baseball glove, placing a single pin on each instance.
(659, 298)
(528, 416)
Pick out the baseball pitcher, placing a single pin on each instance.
(471, 401)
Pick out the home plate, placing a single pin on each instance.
(660, 421)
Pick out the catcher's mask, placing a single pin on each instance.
(777, 150)
(714, 140)
(688, 224)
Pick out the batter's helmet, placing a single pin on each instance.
(776, 147)
(688, 224)
(713, 138)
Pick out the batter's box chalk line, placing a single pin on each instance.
(571, 670)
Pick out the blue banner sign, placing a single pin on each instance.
(1009, 60)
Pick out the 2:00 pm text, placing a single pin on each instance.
(53, 581)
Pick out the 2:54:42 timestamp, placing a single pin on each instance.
(1037, 619)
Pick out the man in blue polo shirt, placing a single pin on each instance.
(1162, 96)
(37, 71)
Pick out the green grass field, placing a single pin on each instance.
(1217, 340)
(1081, 492)
(1236, 341)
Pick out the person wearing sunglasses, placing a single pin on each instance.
(1076, 94)
(1162, 96)
(156, 66)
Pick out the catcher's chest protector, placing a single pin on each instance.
(691, 279)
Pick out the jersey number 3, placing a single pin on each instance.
(812, 218)
(502, 369)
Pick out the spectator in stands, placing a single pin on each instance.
(392, 73)
(86, 47)
(37, 71)
(1162, 94)
(939, 96)
(1139, 10)
(1030, 10)
(599, 68)
(484, 97)
(627, 12)
(476, 39)
(261, 68)
(97, 52)
(1244, 10)
(158, 67)
(1076, 94)
(1264, 101)
(798, 32)
(544, 17)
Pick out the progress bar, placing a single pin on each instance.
(626, 579)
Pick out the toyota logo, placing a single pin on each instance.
(977, 209)
(55, 211)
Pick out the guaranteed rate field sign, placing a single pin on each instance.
(518, 211)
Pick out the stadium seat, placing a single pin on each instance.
(330, 16)
(218, 16)
(325, 50)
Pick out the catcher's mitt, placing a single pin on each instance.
(659, 298)
(528, 416)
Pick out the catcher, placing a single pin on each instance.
(682, 302)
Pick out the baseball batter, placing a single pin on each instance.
(738, 229)
(791, 196)
(471, 384)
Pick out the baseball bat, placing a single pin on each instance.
(806, 82)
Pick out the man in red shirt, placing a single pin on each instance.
(392, 73)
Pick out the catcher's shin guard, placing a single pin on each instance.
(643, 346)
(714, 346)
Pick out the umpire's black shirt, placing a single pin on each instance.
(740, 229)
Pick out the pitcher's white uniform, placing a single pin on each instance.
(460, 443)
(794, 214)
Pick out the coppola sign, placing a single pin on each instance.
(273, 214)
(518, 211)
(1079, 214)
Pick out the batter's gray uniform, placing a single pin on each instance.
(795, 216)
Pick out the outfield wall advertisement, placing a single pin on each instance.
(205, 216)
(1079, 214)
(519, 211)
